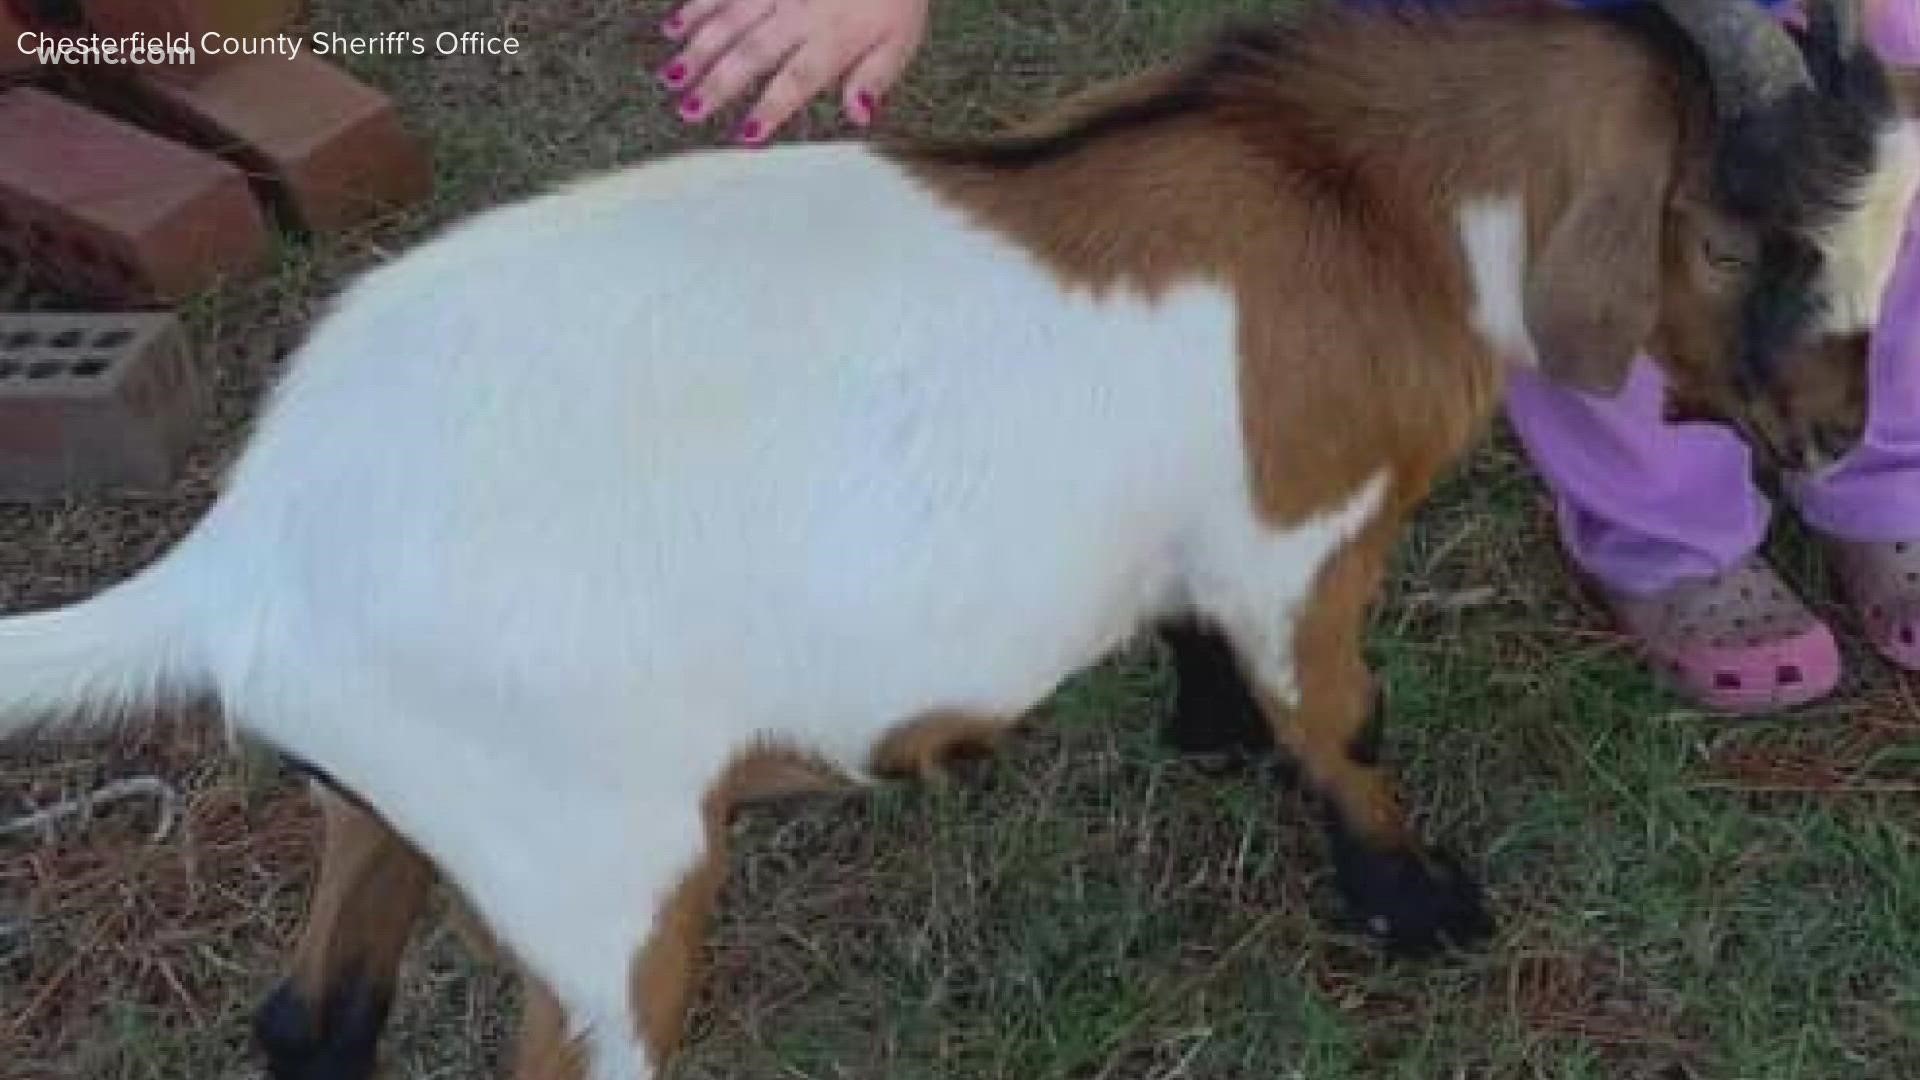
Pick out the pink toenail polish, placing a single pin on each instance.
(751, 131)
(690, 107)
(675, 73)
(869, 106)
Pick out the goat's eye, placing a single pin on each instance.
(1723, 256)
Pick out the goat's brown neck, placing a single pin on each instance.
(1324, 189)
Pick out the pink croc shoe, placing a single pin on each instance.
(1882, 580)
(1738, 642)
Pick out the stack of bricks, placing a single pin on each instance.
(126, 189)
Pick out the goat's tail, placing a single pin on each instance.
(96, 663)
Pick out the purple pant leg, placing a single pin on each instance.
(1643, 503)
(1893, 26)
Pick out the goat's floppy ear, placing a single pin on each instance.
(1592, 291)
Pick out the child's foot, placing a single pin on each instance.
(1738, 642)
(1882, 580)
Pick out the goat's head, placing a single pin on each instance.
(1750, 262)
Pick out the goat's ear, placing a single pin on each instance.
(1593, 289)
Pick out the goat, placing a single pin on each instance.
(747, 472)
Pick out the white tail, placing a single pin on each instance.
(93, 663)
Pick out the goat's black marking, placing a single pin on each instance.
(338, 1042)
(1839, 155)
(302, 767)
(1414, 904)
(1831, 149)
(1782, 300)
(1215, 710)
(1242, 51)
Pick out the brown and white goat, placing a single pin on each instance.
(738, 472)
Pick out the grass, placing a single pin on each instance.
(1680, 896)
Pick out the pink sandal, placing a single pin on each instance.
(1737, 642)
(1882, 580)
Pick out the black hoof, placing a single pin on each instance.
(1414, 904)
(1215, 714)
(339, 1044)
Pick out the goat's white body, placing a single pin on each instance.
(554, 515)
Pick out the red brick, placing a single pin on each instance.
(332, 149)
(94, 403)
(100, 208)
(232, 18)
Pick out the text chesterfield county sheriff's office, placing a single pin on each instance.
(142, 48)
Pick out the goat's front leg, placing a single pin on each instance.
(324, 1021)
(1316, 692)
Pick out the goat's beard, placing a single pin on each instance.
(1789, 440)
(1811, 412)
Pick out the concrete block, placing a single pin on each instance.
(94, 403)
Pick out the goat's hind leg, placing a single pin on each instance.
(627, 1015)
(1215, 714)
(1415, 899)
(324, 1021)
